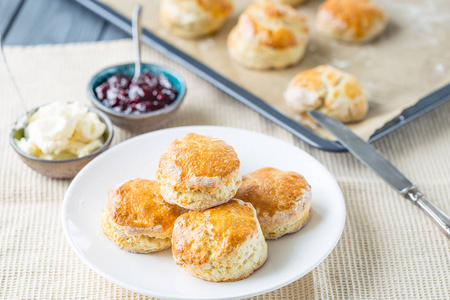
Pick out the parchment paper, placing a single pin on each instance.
(409, 60)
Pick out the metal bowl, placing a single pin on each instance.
(138, 122)
(66, 168)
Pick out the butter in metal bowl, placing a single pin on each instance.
(61, 130)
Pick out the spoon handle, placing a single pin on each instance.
(11, 76)
(137, 40)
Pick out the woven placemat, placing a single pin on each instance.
(389, 249)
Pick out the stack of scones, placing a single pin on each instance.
(215, 220)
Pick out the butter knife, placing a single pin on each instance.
(378, 163)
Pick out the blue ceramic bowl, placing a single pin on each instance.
(144, 121)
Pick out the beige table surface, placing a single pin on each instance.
(389, 249)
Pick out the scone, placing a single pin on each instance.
(198, 172)
(352, 21)
(282, 200)
(224, 243)
(332, 91)
(268, 35)
(291, 2)
(137, 218)
(194, 18)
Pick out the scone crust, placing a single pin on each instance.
(268, 35)
(138, 208)
(217, 8)
(282, 200)
(291, 2)
(224, 243)
(137, 243)
(351, 20)
(198, 172)
(194, 18)
(332, 91)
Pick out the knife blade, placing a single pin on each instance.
(373, 159)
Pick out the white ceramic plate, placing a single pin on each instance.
(290, 257)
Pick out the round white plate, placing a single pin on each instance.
(290, 257)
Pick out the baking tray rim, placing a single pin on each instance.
(423, 106)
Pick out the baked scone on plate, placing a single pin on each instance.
(352, 21)
(332, 91)
(224, 243)
(268, 35)
(198, 172)
(282, 200)
(194, 18)
(137, 218)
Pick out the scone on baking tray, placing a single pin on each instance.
(194, 18)
(332, 91)
(268, 35)
(137, 218)
(282, 200)
(224, 243)
(352, 21)
(198, 172)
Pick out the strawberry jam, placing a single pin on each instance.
(150, 92)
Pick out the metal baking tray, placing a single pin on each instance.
(421, 107)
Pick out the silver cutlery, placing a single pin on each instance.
(22, 101)
(378, 163)
(137, 41)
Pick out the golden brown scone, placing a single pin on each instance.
(268, 35)
(194, 18)
(198, 172)
(291, 2)
(224, 243)
(332, 91)
(282, 200)
(137, 218)
(353, 21)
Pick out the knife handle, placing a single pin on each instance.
(438, 216)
